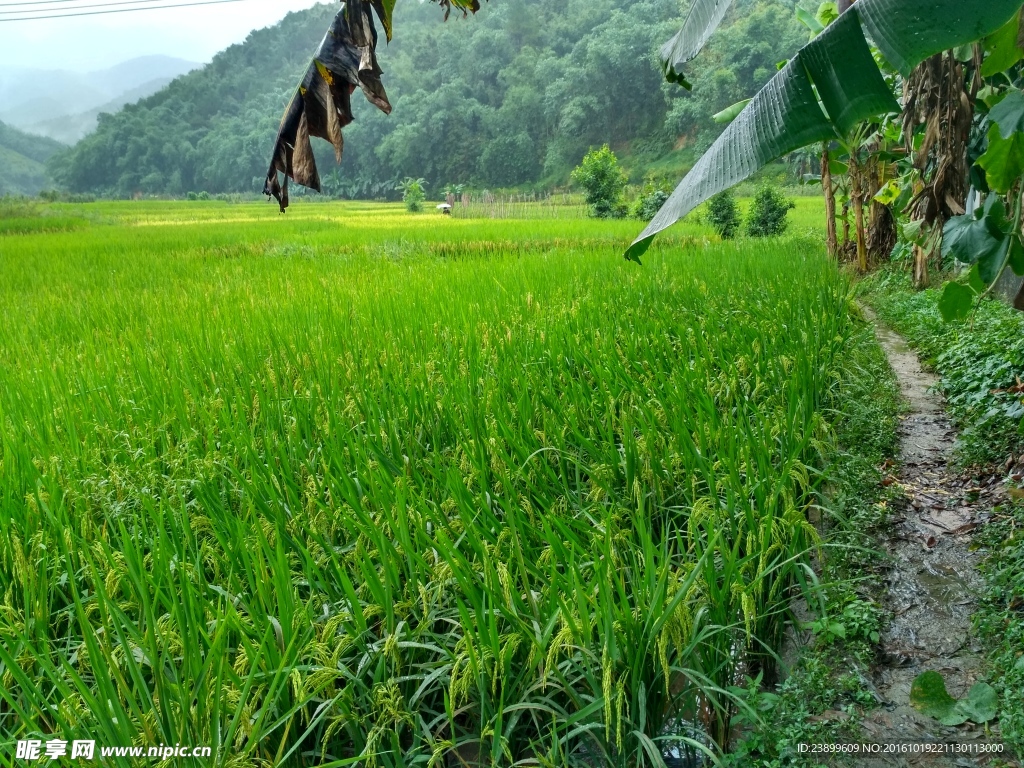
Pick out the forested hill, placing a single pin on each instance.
(512, 96)
(22, 157)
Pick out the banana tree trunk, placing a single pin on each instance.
(846, 229)
(940, 94)
(857, 196)
(832, 239)
(881, 221)
(920, 268)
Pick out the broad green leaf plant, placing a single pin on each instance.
(828, 88)
(989, 238)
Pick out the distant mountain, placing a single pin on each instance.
(70, 129)
(22, 158)
(64, 104)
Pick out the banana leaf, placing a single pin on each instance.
(728, 114)
(782, 117)
(849, 83)
(778, 119)
(700, 23)
(322, 105)
(909, 31)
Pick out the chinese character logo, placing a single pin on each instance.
(83, 749)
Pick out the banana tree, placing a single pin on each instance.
(827, 90)
(990, 239)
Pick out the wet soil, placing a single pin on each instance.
(932, 583)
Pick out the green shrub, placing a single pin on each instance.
(603, 183)
(413, 193)
(767, 216)
(191, 196)
(723, 215)
(648, 204)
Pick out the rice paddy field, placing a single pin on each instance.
(352, 485)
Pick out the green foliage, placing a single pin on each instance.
(987, 239)
(723, 214)
(999, 620)
(37, 148)
(23, 158)
(990, 238)
(1003, 161)
(928, 695)
(603, 183)
(1002, 48)
(413, 193)
(647, 204)
(768, 212)
(827, 12)
(956, 301)
(979, 363)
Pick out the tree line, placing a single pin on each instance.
(513, 97)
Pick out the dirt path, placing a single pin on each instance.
(932, 582)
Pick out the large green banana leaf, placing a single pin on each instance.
(701, 22)
(838, 63)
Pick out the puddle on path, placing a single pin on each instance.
(932, 584)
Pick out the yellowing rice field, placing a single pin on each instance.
(357, 486)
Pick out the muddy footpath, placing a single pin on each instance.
(932, 583)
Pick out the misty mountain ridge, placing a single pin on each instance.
(64, 104)
(70, 129)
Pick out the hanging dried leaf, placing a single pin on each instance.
(466, 6)
(322, 104)
(346, 60)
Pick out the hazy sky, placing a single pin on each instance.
(95, 42)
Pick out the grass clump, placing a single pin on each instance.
(271, 487)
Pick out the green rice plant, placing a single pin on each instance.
(406, 491)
